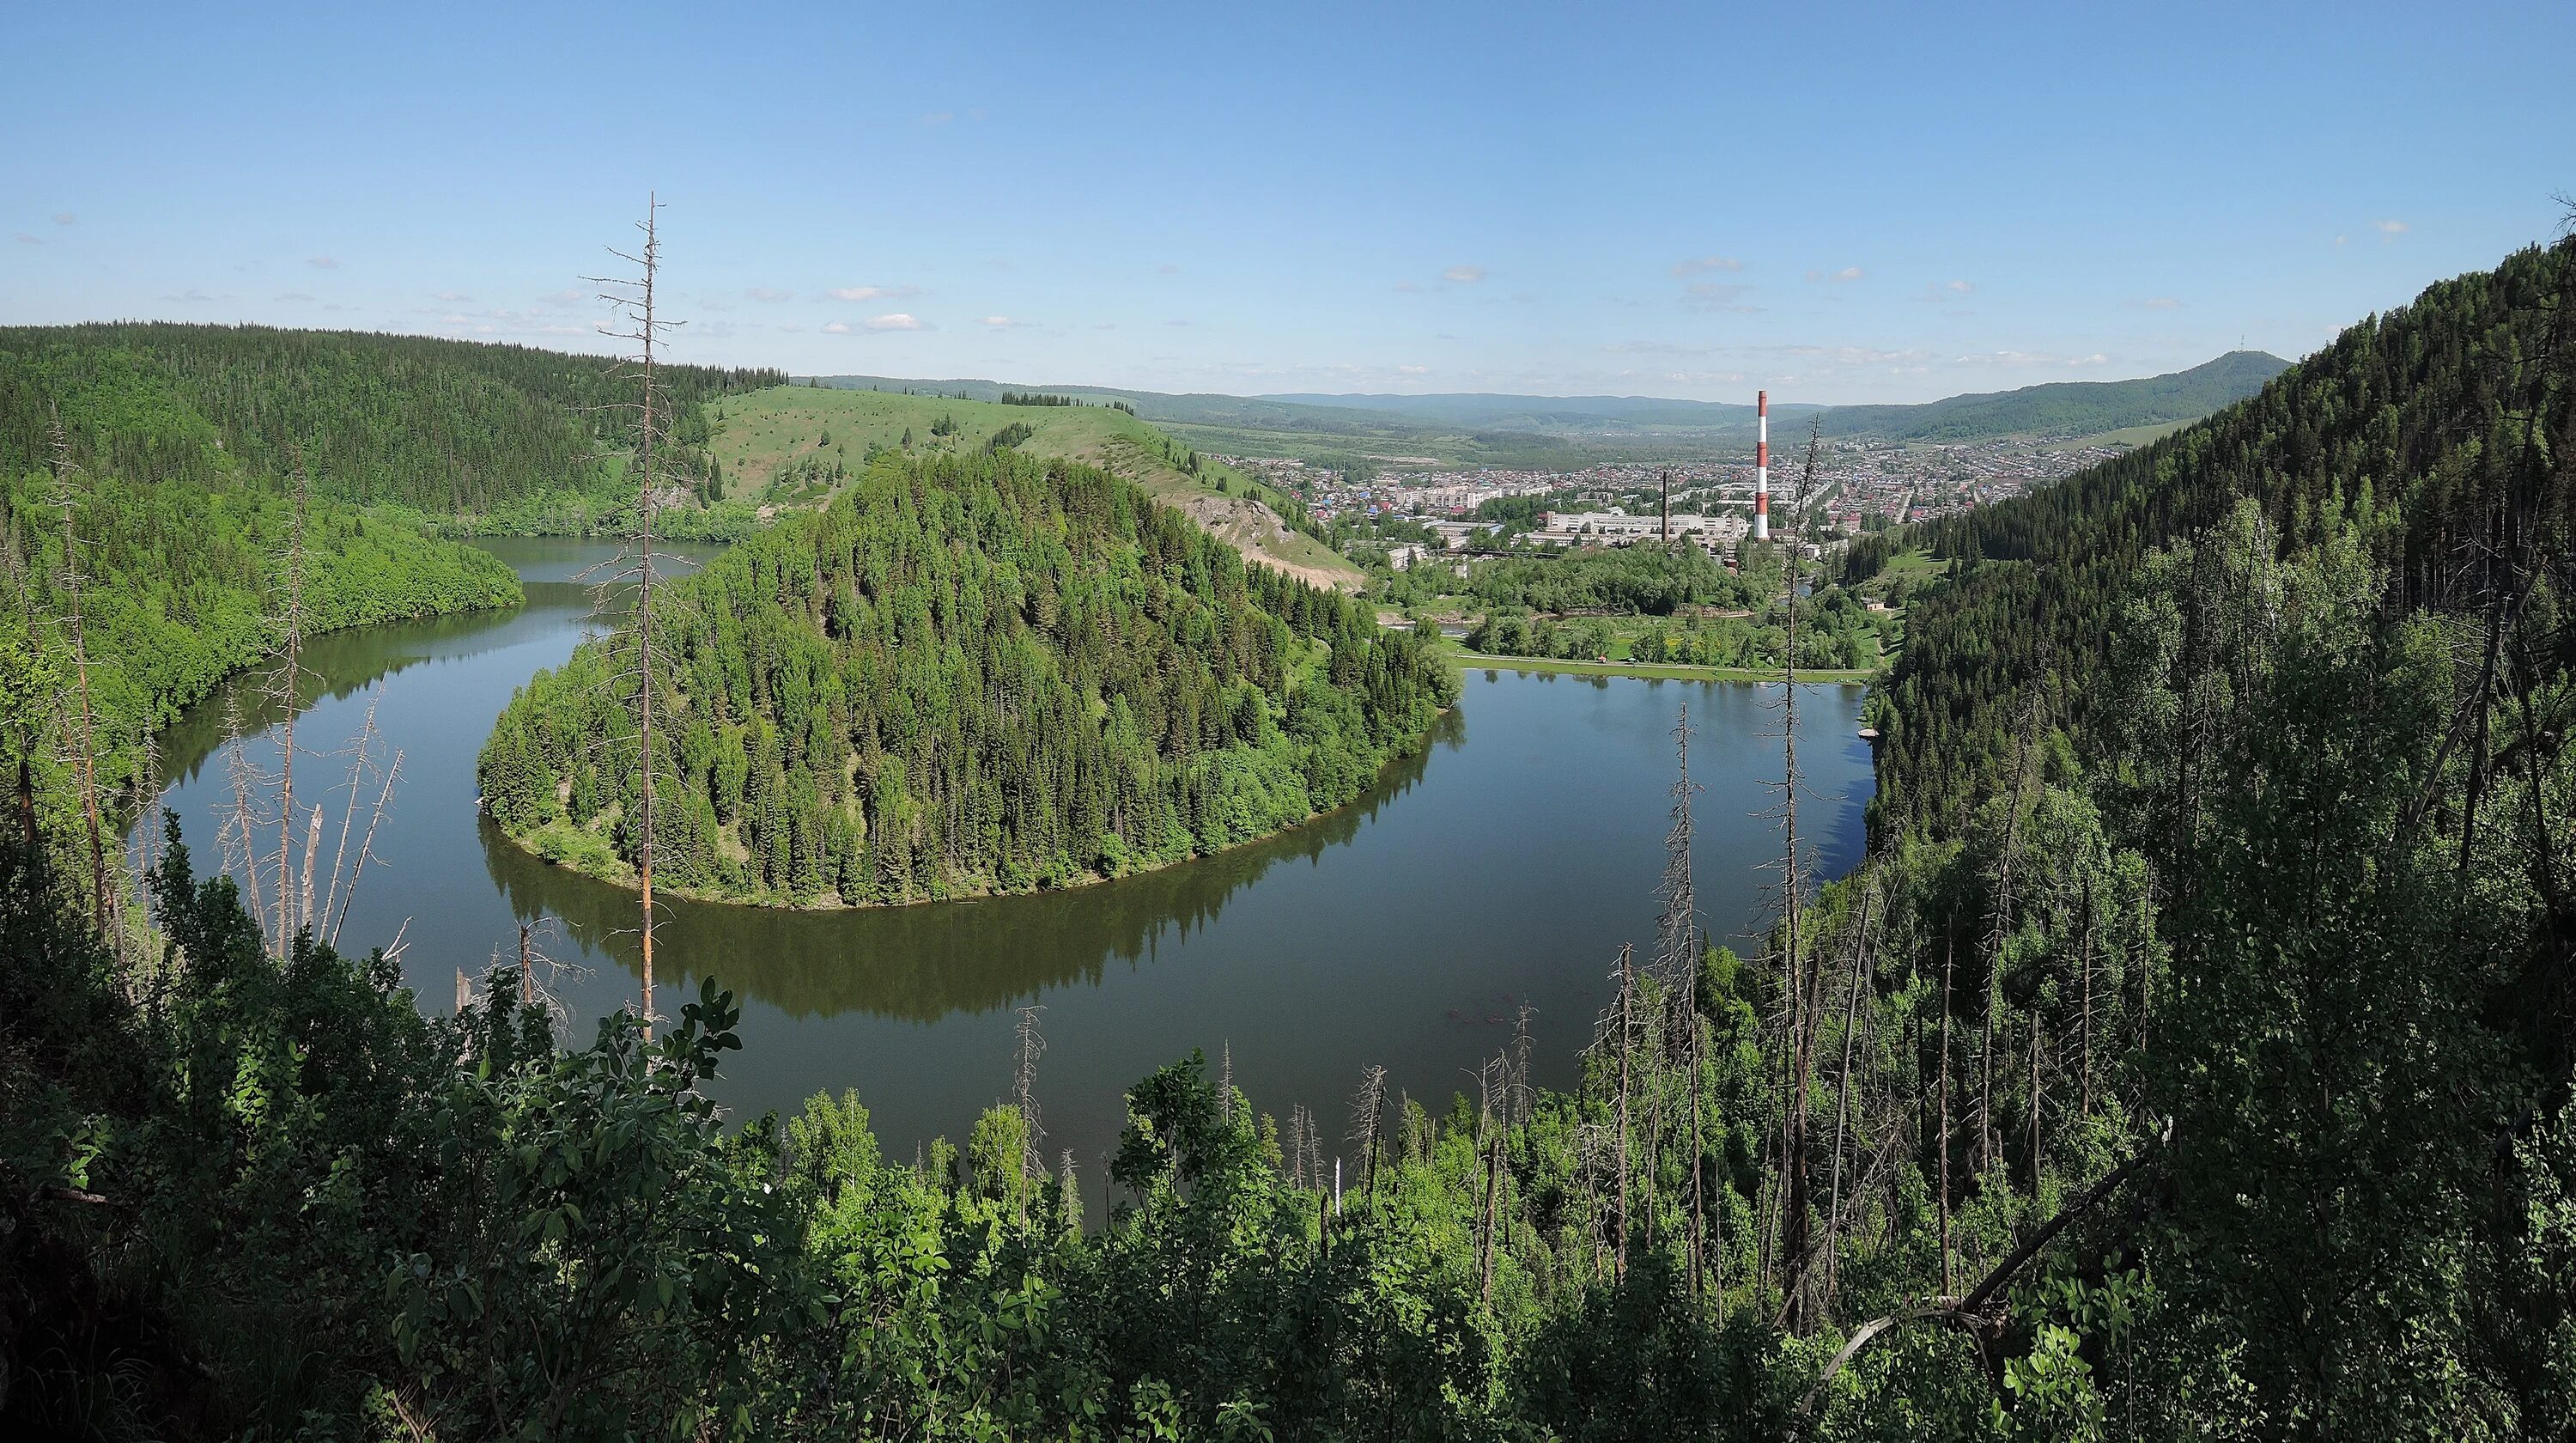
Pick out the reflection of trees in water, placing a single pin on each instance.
(338, 664)
(923, 962)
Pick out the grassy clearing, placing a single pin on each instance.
(760, 437)
(2132, 435)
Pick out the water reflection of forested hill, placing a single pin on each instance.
(340, 663)
(924, 962)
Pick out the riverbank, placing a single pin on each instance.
(586, 853)
(1648, 671)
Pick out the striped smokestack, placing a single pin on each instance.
(1762, 468)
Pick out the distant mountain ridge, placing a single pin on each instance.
(2067, 408)
(1576, 428)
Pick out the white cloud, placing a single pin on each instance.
(295, 296)
(191, 295)
(1464, 275)
(897, 321)
(64, 217)
(1652, 348)
(1408, 288)
(25, 239)
(1413, 370)
(451, 297)
(872, 293)
(938, 117)
(1847, 273)
(2340, 242)
(1716, 296)
(764, 293)
(2031, 358)
(1961, 287)
(999, 323)
(323, 263)
(836, 328)
(1699, 264)
(1167, 269)
(2389, 229)
(563, 298)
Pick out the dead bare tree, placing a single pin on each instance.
(1842, 1097)
(366, 848)
(1989, 1141)
(1798, 1059)
(1024, 1096)
(358, 748)
(84, 738)
(1975, 1313)
(1368, 1109)
(284, 686)
(634, 300)
(238, 839)
(1941, 1144)
(1677, 961)
(1622, 1030)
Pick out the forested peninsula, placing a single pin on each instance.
(968, 674)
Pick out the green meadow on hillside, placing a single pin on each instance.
(795, 446)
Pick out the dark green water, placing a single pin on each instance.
(1505, 862)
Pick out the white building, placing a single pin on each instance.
(1617, 528)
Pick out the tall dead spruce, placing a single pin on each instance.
(638, 323)
(1798, 1032)
(1677, 960)
(84, 740)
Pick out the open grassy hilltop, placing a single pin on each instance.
(791, 447)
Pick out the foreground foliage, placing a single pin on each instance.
(2192, 1058)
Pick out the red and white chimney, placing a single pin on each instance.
(1762, 468)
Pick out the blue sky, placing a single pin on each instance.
(1842, 203)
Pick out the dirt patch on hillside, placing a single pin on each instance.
(1252, 528)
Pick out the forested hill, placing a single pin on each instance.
(969, 673)
(2421, 426)
(455, 427)
(2066, 408)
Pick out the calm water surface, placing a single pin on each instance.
(1505, 862)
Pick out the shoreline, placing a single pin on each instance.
(1654, 671)
(631, 883)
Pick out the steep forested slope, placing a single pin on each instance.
(182, 440)
(2433, 428)
(443, 426)
(969, 673)
(181, 554)
(2225, 807)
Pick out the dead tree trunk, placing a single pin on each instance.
(2084, 1026)
(1626, 1005)
(1941, 1144)
(635, 298)
(1842, 1101)
(85, 755)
